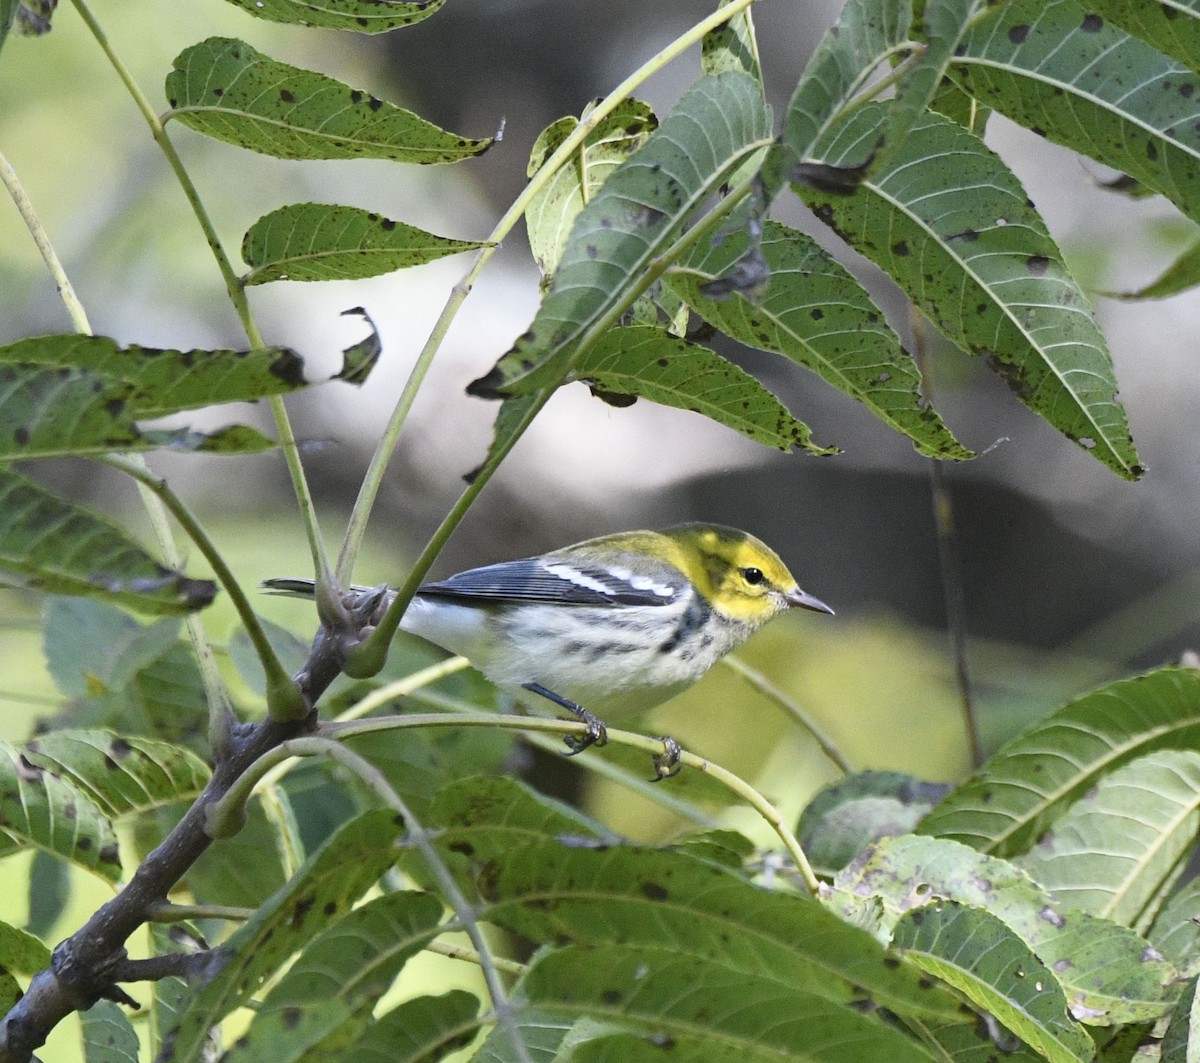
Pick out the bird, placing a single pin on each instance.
(618, 623)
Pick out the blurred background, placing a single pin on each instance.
(1070, 575)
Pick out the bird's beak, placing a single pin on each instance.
(804, 600)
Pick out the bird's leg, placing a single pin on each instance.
(595, 735)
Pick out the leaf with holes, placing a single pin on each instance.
(816, 314)
(50, 412)
(1109, 974)
(553, 210)
(1126, 840)
(951, 224)
(1060, 69)
(1172, 27)
(325, 242)
(361, 16)
(56, 546)
(652, 364)
(227, 90)
(166, 381)
(984, 960)
(121, 775)
(40, 809)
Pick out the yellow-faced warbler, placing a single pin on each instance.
(621, 622)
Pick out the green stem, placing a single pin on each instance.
(457, 952)
(949, 560)
(284, 701)
(653, 746)
(368, 774)
(387, 443)
(177, 913)
(233, 284)
(796, 711)
(24, 205)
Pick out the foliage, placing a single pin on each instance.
(1034, 909)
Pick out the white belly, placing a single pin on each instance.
(555, 646)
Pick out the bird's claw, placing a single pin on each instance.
(595, 735)
(666, 763)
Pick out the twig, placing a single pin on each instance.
(949, 560)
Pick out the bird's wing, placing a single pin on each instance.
(546, 579)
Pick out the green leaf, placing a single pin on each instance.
(226, 90)
(1182, 274)
(108, 1035)
(421, 1030)
(972, 1042)
(55, 546)
(983, 959)
(1109, 974)
(10, 991)
(338, 978)
(49, 890)
(170, 995)
(1006, 805)
(867, 32)
(562, 893)
(324, 242)
(732, 46)
(165, 381)
(848, 815)
(939, 26)
(951, 224)
(8, 12)
(696, 1006)
(243, 870)
(652, 364)
(816, 314)
(361, 16)
(1066, 73)
(1172, 27)
(500, 813)
(1120, 844)
(1181, 1042)
(21, 952)
(1175, 931)
(48, 412)
(41, 809)
(92, 647)
(639, 211)
(121, 775)
(543, 1033)
(356, 959)
(553, 210)
(321, 891)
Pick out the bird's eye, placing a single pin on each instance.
(753, 576)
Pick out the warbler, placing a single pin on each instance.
(620, 622)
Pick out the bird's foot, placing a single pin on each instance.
(666, 763)
(596, 733)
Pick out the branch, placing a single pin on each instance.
(86, 966)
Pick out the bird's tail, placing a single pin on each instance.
(289, 587)
(292, 587)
